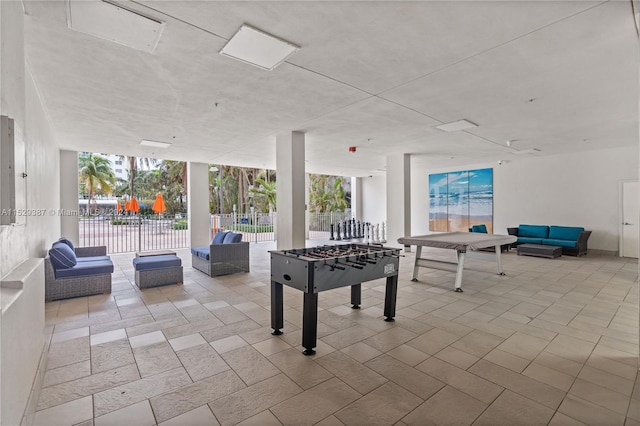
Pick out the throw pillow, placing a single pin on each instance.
(232, 237)
(219, 237)
(61, 256)
(67, 242)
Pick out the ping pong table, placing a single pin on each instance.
(461, 242)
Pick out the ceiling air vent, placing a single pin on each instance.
(115, 23)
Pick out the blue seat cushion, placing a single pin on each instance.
(156, 262)
(565, 232)
(67, 242)
(62, 256)
(219, 237)
(533, 231)
(529, 240)
(232, 237)
(82, 269)
(92, 258)
(479, 228)
(202, 252)
(561, 243)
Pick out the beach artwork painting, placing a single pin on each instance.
(459, 200)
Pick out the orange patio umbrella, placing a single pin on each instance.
(127, 205)
(132, 205)
(158, 205)
(118, 208)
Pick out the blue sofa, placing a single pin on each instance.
(76, 271)
(482, 229)
(572, 239)
(227, 254)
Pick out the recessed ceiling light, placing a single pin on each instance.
(115, 23)
(454, 126)
(257, 48)
(156, 144)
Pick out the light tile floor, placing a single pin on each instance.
(553, 342)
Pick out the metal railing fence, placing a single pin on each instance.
(127, 233)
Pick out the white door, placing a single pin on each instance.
(630, 219)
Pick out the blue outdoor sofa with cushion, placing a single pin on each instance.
(76, 271)
(227, 254)
(482, 229)
(572, 239)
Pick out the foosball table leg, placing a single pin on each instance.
(309, 323)
(277, 310)
(356, 296)
(390, 296)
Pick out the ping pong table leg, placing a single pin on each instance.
(415, 265)
(499, 260)
(458, 285)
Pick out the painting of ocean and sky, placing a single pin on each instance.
(459, 200)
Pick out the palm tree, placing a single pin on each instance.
(134, 163)
(327, 194)
(266, 191)
(96, 174)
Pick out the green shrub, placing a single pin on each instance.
(180, 225)
(243, 227)
(119, 222)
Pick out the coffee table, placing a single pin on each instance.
(539, 250)
(154, 253)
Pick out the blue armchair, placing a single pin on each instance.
(76, 271)
(227, 254)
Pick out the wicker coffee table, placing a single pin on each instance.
(154, 253)
(539, 250)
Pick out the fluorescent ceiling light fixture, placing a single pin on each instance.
(258, 48)
(526, 151)
(454, 126)
(115, 23)
(155, 144)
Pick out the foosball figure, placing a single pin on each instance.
(359, 228)
(338, 232)
(331, 236)
(377, 235)
(347, 229)
(383, 235)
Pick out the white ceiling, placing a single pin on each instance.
(559, 76)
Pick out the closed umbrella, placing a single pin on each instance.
(133, 205)
(127, 205)
(118, 208)
(158, 205)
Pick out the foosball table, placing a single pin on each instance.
(317, 269)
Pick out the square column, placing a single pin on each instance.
(398, 197)
(198, 203)
(290, 187)
(69, 223)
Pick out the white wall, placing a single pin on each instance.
(374, 199)
(579, 189)
(37, 155)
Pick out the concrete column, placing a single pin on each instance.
(306, 206)
(356, 198)
(69, 224)
(198, 203)
(290, 185)
(398, 197)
